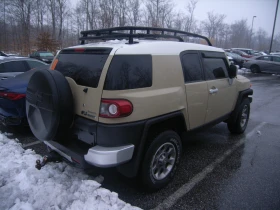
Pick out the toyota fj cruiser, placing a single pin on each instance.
(126, 102)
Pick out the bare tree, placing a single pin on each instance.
(158, 11)
(262, 41)
(121, 12)
(134, 12)
(240, 33)
(52, 7)
(62, 11)
(213, 24)
(107, 12)
(190, 20)
(22, 10)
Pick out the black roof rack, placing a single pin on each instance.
(114, 33)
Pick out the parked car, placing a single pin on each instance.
(12, 98)
(126, 103)
(275, 53)
(230, 59)
(45, 56)
(12, 66)
(258, 53)
(249, 52)
(3, 54)
(237, 59)
(241, 53)
(269, 63)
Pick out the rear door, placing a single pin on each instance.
(196, 88)
(83, 68)
(265, 63)
(276, 64)
(221, 90)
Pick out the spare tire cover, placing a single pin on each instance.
(49, 104)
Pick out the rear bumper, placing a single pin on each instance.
(109, 156)
(99, 156)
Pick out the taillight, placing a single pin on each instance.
(115, 108)
(12, 96)
(54, 63)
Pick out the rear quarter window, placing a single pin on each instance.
(15, 66)
(129, 72)
(34, 64)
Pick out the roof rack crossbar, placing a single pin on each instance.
(150, 32)
(117, 36)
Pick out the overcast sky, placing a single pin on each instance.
(236, 10)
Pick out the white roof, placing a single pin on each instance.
(153, 47)
(238, 48)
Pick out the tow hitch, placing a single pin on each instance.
(51, 157)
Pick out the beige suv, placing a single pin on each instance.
(126, 102)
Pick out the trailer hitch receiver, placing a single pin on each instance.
(51, 157)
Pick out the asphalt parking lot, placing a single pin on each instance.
(218, 170)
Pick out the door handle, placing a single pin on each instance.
(212, 91)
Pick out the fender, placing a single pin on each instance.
(242, 94)
(131, 168)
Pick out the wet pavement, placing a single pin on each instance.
(217, 170)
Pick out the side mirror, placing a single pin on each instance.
(232, 72)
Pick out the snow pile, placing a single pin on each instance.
(244, 71)
(56, 186)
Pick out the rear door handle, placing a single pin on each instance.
(212, 91)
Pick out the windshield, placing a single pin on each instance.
(46, 54)
(250, 52)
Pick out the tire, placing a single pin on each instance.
(166, 147)
(239, 126)
(255, 69)
(49, 105)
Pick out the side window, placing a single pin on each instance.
(215, 68)
(276, 59)
(2, 68)
(15, 66)
(34, 64)
(129, 72)
(265, 58)
(191, 67)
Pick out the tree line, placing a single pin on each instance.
(28, 25)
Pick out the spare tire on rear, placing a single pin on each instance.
(49, 105)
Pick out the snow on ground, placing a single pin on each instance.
(244, 71)
(55, 186)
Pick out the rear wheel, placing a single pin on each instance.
(255, 69)
(239, 126)
(161, 160)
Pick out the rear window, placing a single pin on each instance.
(34, 64)
(13, 66)
(84, 66)
(129, 72)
